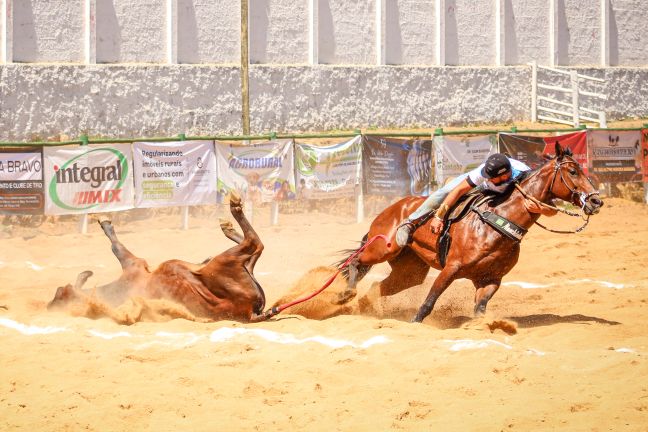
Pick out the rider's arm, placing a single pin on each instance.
(460, 190)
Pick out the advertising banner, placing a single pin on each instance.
(88, 179)
(261, 172)
(455, 155)
(615, 156)
(531, 149)
(644, 154)
(396, 167)
(330, 172)
(21, 181)
(174, 173)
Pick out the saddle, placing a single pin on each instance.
(471, 202)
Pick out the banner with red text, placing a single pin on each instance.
(88, 179)
(21, 181)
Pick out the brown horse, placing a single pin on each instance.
(478, 252)
(222, 287)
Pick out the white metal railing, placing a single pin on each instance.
(572, 94)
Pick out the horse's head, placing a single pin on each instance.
(570, 183)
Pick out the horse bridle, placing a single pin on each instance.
(583, 197)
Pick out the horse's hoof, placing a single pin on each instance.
(345, 297)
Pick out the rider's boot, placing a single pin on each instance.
(404, 232)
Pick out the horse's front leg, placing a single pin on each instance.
(484, 292)
(443, 281)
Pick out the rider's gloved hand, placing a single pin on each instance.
(436, 225)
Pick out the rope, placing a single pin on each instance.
(277, 309)
(567, 212)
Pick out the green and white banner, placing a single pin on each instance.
(174, 173)
(457, 155)
(88, 179)
(258, 172)
(330, 172)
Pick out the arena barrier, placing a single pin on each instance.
(86, 176)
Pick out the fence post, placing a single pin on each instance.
(185, 209)
(574, 86)
(274, 205)
(602, 119)
(359, 197)
(83, 222)
(534, 91)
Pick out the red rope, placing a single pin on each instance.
(275, 310)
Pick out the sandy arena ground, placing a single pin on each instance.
(572, 355)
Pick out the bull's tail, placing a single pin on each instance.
(363, 269)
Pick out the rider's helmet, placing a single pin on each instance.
(496, 165)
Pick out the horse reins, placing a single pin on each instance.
(582, 196)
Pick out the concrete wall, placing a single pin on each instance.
(48, 31)
(345, 88)
(527, 27)
(210, 31)
(39, 101)
(409, 30)
(628, 35)
(130, 31)
(281, 31)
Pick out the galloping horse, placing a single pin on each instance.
(478, 251)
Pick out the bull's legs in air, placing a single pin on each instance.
(443, 281)
(484, 292)
(125, 257)
(249, 243)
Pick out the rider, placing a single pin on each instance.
(496, 174)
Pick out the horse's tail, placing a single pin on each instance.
(363, 269)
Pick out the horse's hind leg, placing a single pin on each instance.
(125, 257)
(484, 292)
(355, 273)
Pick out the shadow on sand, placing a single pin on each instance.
(529, 321)
(540, 320)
